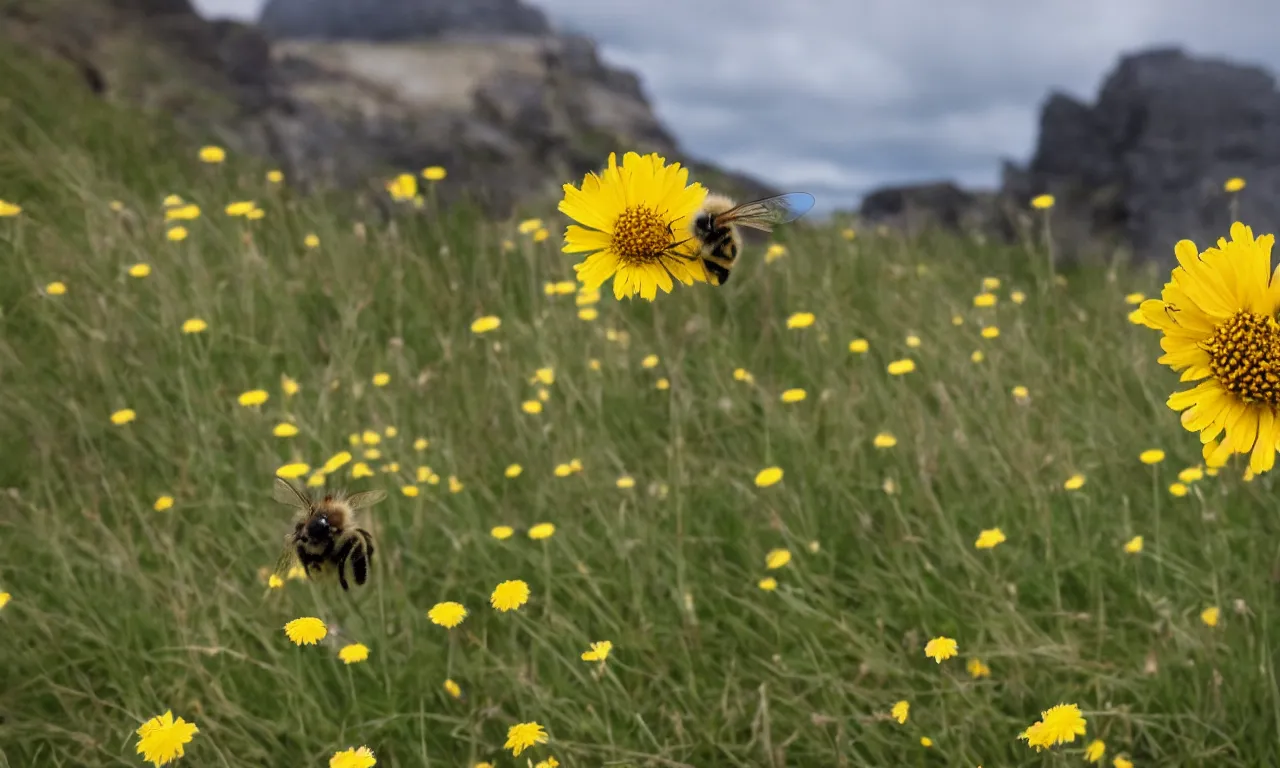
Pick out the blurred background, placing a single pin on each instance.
(1132, 113)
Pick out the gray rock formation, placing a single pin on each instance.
(1150, 157)
(396, 20)
(1144, 166)
(942, 204)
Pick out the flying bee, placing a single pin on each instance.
(326, 536)
(715, 226)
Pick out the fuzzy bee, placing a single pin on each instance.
(326, 538)
(715, 226)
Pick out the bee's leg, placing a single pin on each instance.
(368, 544)
(341, 560)
(360, 563)
(718, 272)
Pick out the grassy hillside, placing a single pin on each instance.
(120, 612)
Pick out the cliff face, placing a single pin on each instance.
(348, 93)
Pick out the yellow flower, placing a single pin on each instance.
(403, 187)
(8, 209)
(274, 582)
(56, 288)
(253, 397)
(194, 325)
(381, 379)
(636, 226)
(293, 469)
(585, 298)
(901, 367)
(649, 361)
(984, 300)
(513, 470)
(240, 208)
(768, 476)
(1210, 616)
(485, 324)
(884, 440)
(182, 213)
(1057, 725)
(123, 416)
(409, 490)
(453, 689)
(990, 284)
(509, 595)
(1017, 297)
(1121, 762)
(542, 531)
(1233, 184)
(1218, 317)
(991, 332)
(800, 320)
(212, 154)
(625, 481)
(977, 669)
(1020, 392)
(976, 356)
(768, 584)
(275, 176)
(1133, 546)
(162, 739)
(848, 233)
(140, 270)
(361, 757)
(777, 558)
(353, 653)
(336, 461)
(989, 538)
(434, 173)
(176, 234)
(901, 711)
(306, 631)
(940, 649)
(455, 485)
(1178, 490)
(926, 742)
(288, 386)
(1074, 483)
(1152, 456)
(1042, 202)
(793, 395)
(775, 251)
(162, 503)
(1094, 752)
(501, 532)
(529, 226)
(284, 429)
(859, 346)
(421, 444)
(521, 736)
(4, 599)
(598, 651)
(742, 374)
(447, 615)
(1191, 475)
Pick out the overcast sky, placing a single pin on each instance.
(839, 96)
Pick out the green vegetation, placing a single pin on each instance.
(120, 612)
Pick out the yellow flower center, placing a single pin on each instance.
(1244, 355)
(640, 235)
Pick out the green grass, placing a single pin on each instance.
(119, 612)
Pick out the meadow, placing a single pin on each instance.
(134, 554)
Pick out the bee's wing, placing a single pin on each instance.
(286, 559)
(366, 499)
(769, 212)
(284, 492)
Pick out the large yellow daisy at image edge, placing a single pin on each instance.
(635, 226)
(1218, 316)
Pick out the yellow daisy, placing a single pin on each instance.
(521, 736)
(1218, 317)
(162, 739)
(636, 221)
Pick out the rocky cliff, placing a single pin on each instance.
(348, 93)
(1145, 164)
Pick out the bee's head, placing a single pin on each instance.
(318, 528)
